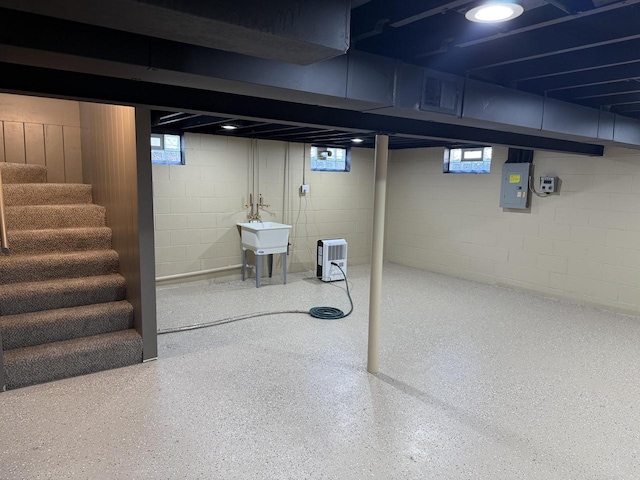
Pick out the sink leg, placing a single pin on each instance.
(258, 270)
(270, 265)
(244, 264)
(284, 267)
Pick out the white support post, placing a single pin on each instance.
(377, 251)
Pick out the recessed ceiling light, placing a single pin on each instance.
(357, 140)
(229, 127)
(494, 12)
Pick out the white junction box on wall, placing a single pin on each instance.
(548, 184)
(329, 252)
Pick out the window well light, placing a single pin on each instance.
(229, 127)
(357, 140)
(494, 12)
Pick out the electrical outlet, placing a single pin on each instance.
(304, 189)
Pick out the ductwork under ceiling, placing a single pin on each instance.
(377, 86)
(295, 31)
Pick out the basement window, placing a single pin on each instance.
(467, 160)
(167, 149)
(330, 159)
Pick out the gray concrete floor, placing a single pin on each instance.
(476, 382)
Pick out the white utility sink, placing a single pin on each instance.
(265, 238)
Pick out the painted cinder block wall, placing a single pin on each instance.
(197, 205)
(582, 245)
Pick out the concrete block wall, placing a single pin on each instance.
(197, 205)
(582, 245)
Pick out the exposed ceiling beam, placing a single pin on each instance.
(287, 31)
(584, 78)
(434, 10)
(627, 109)
(609, 27)
(551, 23)
(599, 90)
(575, 61)
(620, 99)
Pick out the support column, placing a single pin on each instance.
(377, 251)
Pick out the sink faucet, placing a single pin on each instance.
(255, 217)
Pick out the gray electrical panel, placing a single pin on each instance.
(515, 185)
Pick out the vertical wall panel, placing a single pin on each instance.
(2, 142)
(72, 154)
(14, 142)
(54, 153)
(34, 143)
(110, 147)
(29, 119)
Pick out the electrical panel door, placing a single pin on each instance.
(515, 185)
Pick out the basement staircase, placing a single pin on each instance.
(62, 302)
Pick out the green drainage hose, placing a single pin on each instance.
(325, 313)
(332, 313)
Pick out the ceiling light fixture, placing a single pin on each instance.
(229, 127)
(494, 12)
(357, 140)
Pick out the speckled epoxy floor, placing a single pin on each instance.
(476, 382)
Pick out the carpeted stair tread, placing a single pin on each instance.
(54, 361)
(22, 173)
(30, 242)
(38, 268)
(34, 217)
(47, 194)
(19, 298)
(36, 328)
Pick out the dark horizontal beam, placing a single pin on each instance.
(612, 26)
(172, 118)
(23, 79)
(585, 78)
(611, 100)
(202, 121)
(627, 108)
(600, 90)
(574, 61)
(418, 12)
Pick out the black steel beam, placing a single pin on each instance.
(627, 109)
(612, 26)
(620, 99)
(24, 79)
(595, 91)
(174, 118)
(285, 30)
(574, 61)
(584, 78)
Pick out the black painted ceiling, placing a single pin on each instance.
(585, 52)
(581, 51)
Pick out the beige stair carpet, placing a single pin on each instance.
(63, 308)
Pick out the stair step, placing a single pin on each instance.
(19, 298)
(55, 361)
(37, 268)
(35, 217)
(47, 194)
(37, 328)
(30, 242)
(22, 173)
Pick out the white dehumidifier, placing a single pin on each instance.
(332, 251)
